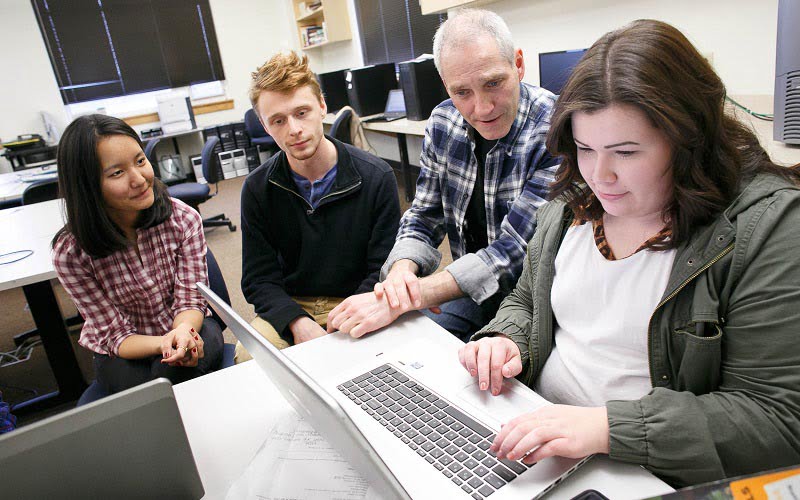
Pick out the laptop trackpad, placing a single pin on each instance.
(513, 401)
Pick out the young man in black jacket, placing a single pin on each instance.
(318, 219)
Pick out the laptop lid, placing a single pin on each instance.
(311, 401)
(131, 444)
(395, 103)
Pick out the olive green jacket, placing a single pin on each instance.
(723, 342)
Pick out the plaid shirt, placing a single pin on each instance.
(119, 295)
(518, 172)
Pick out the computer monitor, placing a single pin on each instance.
(556, 67)
(395, 103)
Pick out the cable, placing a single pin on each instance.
(27, 253)
(760, 116)
(20, 354)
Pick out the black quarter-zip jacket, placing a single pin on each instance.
(336, 250)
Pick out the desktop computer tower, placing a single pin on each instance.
(240, 162)
(368, 87)
(786, 119)
(226, 164)
(226, 137)
(253, 158)
(422, 88)
(240, 135)
(334, 88)
(197, 168)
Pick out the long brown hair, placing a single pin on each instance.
(652, 66)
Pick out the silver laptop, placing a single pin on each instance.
(400, 408)
(128, 445)
(394, 110)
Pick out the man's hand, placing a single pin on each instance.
(491, 359)
(401, 286)
(360, 314)
(304, 329)
(554, 430)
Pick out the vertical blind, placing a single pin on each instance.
(110, 48)
(395, 30)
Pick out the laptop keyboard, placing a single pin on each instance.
(448, 439)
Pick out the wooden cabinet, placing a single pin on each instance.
(320, 22)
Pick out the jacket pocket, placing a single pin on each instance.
(700, 357)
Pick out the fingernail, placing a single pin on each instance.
(483, 386)
(191, 330)
(473, 372)
(495, 392)
(196, 337)
(194, 350)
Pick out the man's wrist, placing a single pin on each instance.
(405, 265)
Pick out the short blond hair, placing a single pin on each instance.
(283, 72)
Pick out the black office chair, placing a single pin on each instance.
(258, 136)
(217, 284)
(341, 126)
(194, 193)
(39, 191)
(150, 153)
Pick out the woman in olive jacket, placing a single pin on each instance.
(659, 304)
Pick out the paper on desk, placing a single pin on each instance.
(296, 463)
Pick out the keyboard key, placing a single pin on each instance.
(413, 446)
(460, 442)
(469, 448)
(440, 403)
(428, 446)
(457, 480)
(438, 466)
(419, 440)
(485, 490)
(489, 462)
(380, 369)
(503, 472)
(477, 496)
(465, 475)
(435, 436)
(451, 450)
(468, 421)
(475, 482)
(441, 429)
(405, 440)
(515, 466)
(398, 433)
(417, 399)
(457, 426)
(421, 452)
(494, 481)
(399, 376)
(478, 455)
(474, 439)
(447, 473)
(402, 413)
(454, 467)
(426, 430)
(466, 488)
(418, 412)
(470, 464)
(411, 434)
(465, 432)
(405, 391)
(484, 445)
(426, 417)
(436, 452)
(362, 378)
(447, 420)
(450, 436)
(442, 443)
(446, 459)
(430, 460)
(481, 471)
(393, 382)
(424, 404)
(461, 456)
(374, 404)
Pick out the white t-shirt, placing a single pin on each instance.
(602, 310)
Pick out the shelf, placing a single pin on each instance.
(316, 45)
(311, 15)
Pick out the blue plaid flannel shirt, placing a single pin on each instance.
(518, 172)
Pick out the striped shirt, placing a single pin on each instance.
(121, 295)
(518, 172)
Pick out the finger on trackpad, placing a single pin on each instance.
(511, 402)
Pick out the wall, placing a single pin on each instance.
(739, 35)
(248, 32)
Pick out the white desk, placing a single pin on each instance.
(32, 227)
(228, 415)
(12, 184)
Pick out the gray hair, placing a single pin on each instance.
(469, 24)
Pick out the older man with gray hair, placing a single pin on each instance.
(484, 172)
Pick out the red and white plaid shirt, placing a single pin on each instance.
(120, 295)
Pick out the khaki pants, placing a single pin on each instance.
(317, 307)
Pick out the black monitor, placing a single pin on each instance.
(555, 68)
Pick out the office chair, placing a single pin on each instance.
(39, 191)
(217, 284)
(194, 193)
(341, 126)
(258, 136)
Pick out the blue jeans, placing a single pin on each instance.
(463, 317)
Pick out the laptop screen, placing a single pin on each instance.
(395, 103)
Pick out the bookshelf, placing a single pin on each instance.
(321, 22)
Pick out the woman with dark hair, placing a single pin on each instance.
(129, 257)
(659, 302)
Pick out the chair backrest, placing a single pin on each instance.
(253, 126)
(210, 160)
(341, 127)
(39, 191)
(217, 284)
(150, 153)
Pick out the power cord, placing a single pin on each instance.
(760, 116)
(20, 354)
(23, 254)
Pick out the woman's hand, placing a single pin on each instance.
(182, 346)
(554, 430)
(491, 359)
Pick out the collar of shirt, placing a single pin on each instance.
(314, 191)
